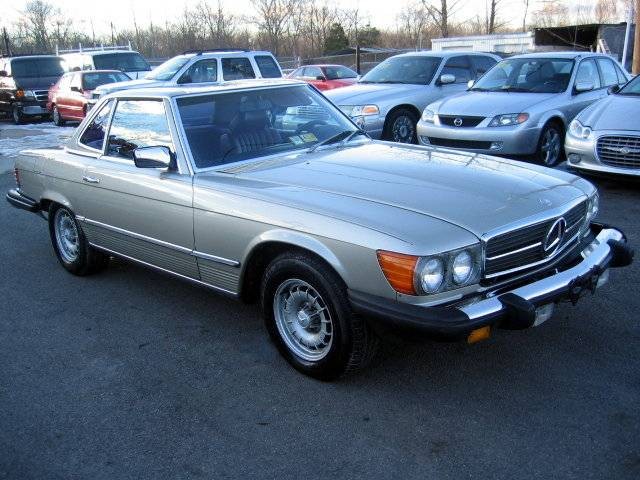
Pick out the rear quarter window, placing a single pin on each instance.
(267, 66)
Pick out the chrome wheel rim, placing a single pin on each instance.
(403, 129)
(66, 234)
(303, 319)
(551, 146)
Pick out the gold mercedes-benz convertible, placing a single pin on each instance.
(267, 192)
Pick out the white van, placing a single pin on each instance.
(107, 58)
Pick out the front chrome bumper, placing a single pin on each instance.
(514, 309)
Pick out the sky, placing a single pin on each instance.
(380, 13)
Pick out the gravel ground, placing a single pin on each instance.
(131, 375)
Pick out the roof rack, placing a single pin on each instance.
(101, 48)
(213, 50)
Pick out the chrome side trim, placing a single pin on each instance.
(513, 252)
(541, 288)
(215, 258)
(164, 270)
(162, 243)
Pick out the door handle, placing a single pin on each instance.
(91, 179)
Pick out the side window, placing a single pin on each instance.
(458, 67)
(267, 66)
(137, 123)
(313, 72)
(93, 136)
(297, 73)
(622, 78)
(237, 68)
(608, 71)
(481, 64)
(587, 72)
(201, 72)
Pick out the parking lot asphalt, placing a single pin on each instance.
(130, 374)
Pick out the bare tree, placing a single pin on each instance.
(524, 16)
(412, 22)
(551, 14)
(273, 20)
(220, 26)
(606, 11)
(441, 16)
(493, 23)
(37, 18)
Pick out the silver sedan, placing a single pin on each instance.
(605, 138)
(522, 106)
(388, 100)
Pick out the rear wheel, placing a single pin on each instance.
(309, 318)
(400, 126)
(70, 244)
(57, 118)
(550, 148)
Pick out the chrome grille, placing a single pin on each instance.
(619, 151)
(523, 248)
(41, 95)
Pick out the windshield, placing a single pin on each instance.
(631, 88)
(338, 72)
(228, 127)
(92, 80)
(168, 69)
(37, 67)
(534, 75)
(125, 62)
(404, 69)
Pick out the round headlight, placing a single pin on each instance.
(462, 267)
(432, 275)
(594, 205)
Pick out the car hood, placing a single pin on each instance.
(615, 112)
(117, 86)
(474, 192)
(485, 104)
(363, 93)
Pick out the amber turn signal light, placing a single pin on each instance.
(479, 334)
(399, 269)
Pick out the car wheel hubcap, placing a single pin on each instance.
(551, 146)
(303, 320)
(403, 130)
(66, 234)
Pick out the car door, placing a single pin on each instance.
(312, 75)
(587, 72)
(75, 99)
(62, 99)
(143, 213)
(481, 64)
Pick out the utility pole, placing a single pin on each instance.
(636, 43)
(627, 31)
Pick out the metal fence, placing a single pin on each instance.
(368, 60)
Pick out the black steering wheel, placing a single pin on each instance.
(309, 125)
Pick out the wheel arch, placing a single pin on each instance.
(49, 197)
(406, 106)
(268, 246)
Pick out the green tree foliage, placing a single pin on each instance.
(336, 39)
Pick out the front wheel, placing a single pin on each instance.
(549, 152)
(18, 117)
(401, 126)
(309, 318)
(57, 118)
(70, 244)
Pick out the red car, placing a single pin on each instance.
(68, 98)
(325, 77)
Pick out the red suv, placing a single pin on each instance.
(69, 96)
(325, 77)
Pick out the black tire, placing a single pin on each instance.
(546, 154)
(57, 118)
(88, 260)
(353, 343)
(17, 116)
(401, 126)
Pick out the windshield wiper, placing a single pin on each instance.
(338, 136)
(514, 89)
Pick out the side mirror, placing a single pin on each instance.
(3, 73)
(447, 78)
(584, 87)
(76, 89)
(321, 78)
(471, 83)
(154, 157)
(613, 89)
